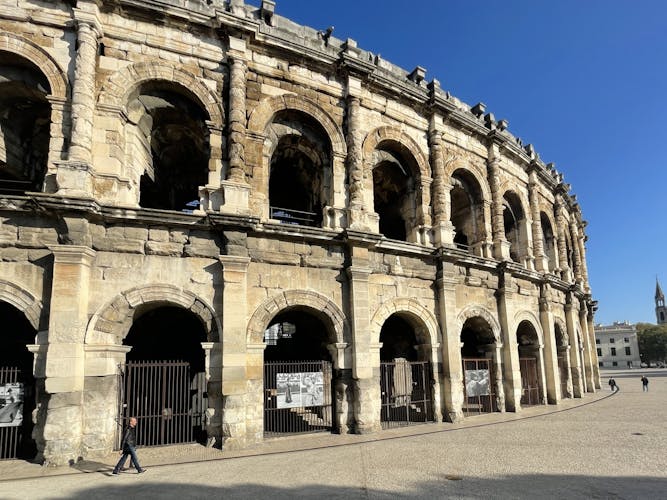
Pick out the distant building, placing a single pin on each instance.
(617, 345)
(660, 310)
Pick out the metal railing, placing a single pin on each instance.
(289, 216)
(11, 412)
(479, 385)
(406, 392)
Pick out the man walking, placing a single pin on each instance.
(612, 385)
(127, 448)
(644, 383)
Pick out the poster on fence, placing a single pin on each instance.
(478, 383)
(11, 405)
(296, 390)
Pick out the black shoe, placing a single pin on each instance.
(115, 473)
(141, 471)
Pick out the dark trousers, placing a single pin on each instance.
(132, 453)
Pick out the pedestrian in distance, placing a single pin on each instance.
(613, 386)
(127, 448)
(644, 383)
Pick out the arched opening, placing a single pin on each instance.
(513, 220)
(17, 385)
(25, 120)
(164, 378)
(467, 214)
(549, 241)
(481, 377)
(394, 184)
(406, 377)
(529, 363)
(168, 142)
(562, 345)
(298, 375)
(300, 169)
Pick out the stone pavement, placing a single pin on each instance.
(603, 446)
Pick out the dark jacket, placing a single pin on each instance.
(129, 438)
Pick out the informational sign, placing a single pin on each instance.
(478, 383)
(11, 405)
(297, 390)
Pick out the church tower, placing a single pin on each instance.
(660, 309)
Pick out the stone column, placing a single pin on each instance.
(497, 355)
(591, 335)
(354, 160)
(65, 356)
(575, 359)
(541, 260)
(74, 177)
(578, 277)
(366, 355)
(59, 112)
(213, 372)
(242, 369)
(561, 227)
(452, 364)
(510, 352)
(501, 247)
(235, 191)
(565, 352)
(589, 357)
(553, 387)
(443, 230)
(581, 241)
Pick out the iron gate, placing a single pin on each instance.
(297, 397)
(562, 372)
(406, 392)
(479, 386)
(16, 404)
(530, 386)
(168, 401)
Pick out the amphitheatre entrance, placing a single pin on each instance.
(163, 382)
(529, 363)
(478, 353)
(17, 385)
(405, 376)
(298, 375)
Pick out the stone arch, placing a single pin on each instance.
(430, 333)
(56, 77)
(533, 320)
(291, 298)
(474, 170)
(473, 311)
(263, 114)
(560, 323)
(381, 134)
(111, 323)
(117, 88)
(521, 195)
(22, 300)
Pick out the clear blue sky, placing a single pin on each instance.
(584, 81)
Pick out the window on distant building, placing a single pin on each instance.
(613, 351)
(627, 351)
(611, 340)
(626, 340)
(614, 363)
(599, 352)
(601, 364)
(597, 341)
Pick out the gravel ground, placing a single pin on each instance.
(609, 447)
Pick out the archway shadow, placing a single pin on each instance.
(444, 486)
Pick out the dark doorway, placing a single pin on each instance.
(406, 379)
(164, 380)
(298, 375)
(528, 341)
(479, 381)
(17, 385)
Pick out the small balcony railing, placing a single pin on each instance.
(289, 216)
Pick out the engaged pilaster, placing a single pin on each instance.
(501, 247)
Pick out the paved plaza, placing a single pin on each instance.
(605, 446)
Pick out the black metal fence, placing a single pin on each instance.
(406, 390)
(530, 382)
(479, 386)
(297, 397)
(12, 394)
(168, 401)
(563, 372)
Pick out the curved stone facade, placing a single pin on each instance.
(219, 159)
